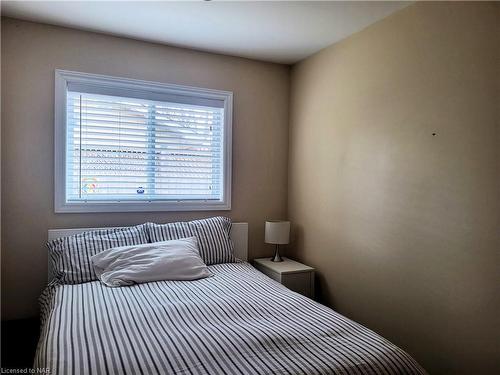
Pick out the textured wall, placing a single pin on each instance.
(403, 225)
(31, 52)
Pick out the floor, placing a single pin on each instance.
(19, 340)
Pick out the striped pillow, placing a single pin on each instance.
(169, 231)
(70, 256)
(212, 234)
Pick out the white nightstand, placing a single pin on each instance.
(294, 275)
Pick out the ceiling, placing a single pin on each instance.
(277, 31)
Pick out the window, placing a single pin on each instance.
(128, 145)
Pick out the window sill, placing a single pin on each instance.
(141, 207)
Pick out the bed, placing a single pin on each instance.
(237, 322)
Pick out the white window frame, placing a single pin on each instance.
(61, 205)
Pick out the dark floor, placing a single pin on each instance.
(19, 339)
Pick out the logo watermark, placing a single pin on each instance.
(36, 370)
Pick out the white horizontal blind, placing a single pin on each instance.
(121, 149)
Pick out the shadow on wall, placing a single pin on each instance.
(297, 241)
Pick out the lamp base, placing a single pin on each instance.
(276, 257)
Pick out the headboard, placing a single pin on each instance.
(239, 235)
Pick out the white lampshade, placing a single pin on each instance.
(277, 232)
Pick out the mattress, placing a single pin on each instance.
(238, 321)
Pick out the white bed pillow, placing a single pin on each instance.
(167, 260)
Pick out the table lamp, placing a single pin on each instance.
(277, 233)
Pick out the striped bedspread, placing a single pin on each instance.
(237, 322)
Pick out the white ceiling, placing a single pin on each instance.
(281, 31)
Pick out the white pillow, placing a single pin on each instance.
(135, 264)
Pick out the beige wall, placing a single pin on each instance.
(403, 226)
(31, 52)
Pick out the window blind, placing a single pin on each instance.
(122, 149)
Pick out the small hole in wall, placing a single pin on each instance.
(434, 134)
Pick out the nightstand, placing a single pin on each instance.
(294, 275)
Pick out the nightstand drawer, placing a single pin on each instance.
(272, 274)
(294, 275)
